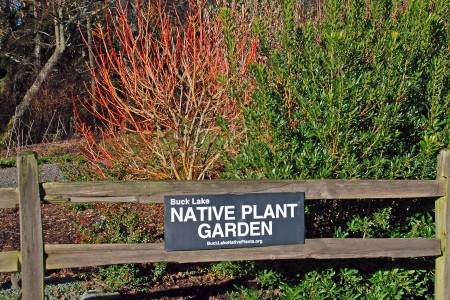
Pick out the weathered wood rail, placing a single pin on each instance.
(35, 257)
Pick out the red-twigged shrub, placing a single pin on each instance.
(164, 96)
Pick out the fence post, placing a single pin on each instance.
(31, 239)
(442, 280)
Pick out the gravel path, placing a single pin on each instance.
(47, 172)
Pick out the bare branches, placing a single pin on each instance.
(162, 93)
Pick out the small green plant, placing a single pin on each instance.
(120, 223)
(351, 284)
(10, 295)
(421, 225)
(245, 293)
(7, 163)
(376, 225)
(269, 279)
(160, 269)
(379, 225)
(68, 291)
(121, 278)
(397, 284)
(232, 269)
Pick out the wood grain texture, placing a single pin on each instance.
(442, 279)
(70, 256)
(31, 239)
(8, 198)
(154, 191)
(9, 261)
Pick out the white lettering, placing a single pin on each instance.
(174, 213)
(217, 231)
(291, 206)
(281, 211)
(246, 210)
(190, 215)
(229, 213)
(230, 229)
(266, 228)
(269, 212)
(204, 231)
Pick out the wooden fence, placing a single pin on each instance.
(35, 256)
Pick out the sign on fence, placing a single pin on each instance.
(233, 221)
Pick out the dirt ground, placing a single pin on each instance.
(60, 226)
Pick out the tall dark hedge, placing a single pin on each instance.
(364, 93)
(361, 92)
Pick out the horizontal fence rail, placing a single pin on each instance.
(68, 256)
(9, 261)
(35, 257)
(8, 198)
(88, 255)
(153, 191)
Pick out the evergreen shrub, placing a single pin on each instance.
(360, 92)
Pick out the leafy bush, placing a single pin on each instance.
(341, 284)
(364, 94)
(350, 284)
(360, 92)
(380, 224)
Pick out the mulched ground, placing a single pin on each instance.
(58, 227)
(61, 226)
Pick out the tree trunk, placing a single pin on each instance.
(90, 45)
(43, 74)
(37, 39)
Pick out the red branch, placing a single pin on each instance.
(162, 98)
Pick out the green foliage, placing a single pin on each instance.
(343, 284)
(72, 290)
(63, 159)
(350, 284)
(397, 284)
(364, 94)
(159, 270)
(69, 291)
(379, 225)
(370, 226)
(7, 163)
(123, 224)
(10, 295)
(119, 224)
(269, 279)
(121, 278)
(233, 269)
(244, 293)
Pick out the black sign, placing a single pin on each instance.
(233, 221)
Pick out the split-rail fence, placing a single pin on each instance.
(35, 257)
